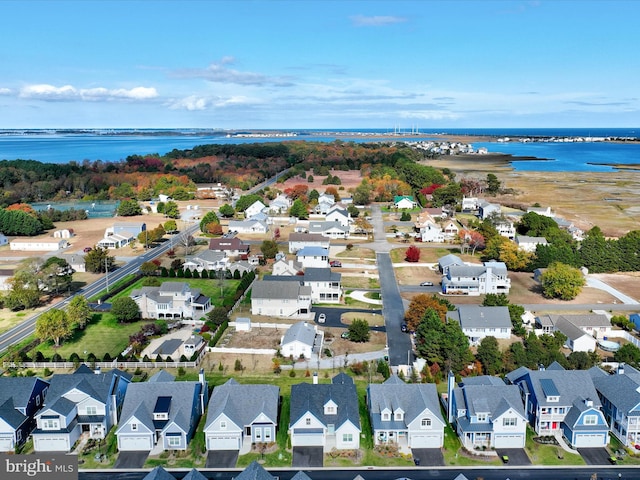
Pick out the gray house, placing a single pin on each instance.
(239, 413)
(82, 403)
(406, 414)
(161, 412)
(478, 322)
(20, 399)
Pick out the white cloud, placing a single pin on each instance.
(191, 103)
(70, 93)
(376, 21)
(219, 72)
(5, 91)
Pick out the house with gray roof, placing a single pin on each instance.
(329, 229)
(159, 473)
(490, 277)
(281, 299)
(448, 261)
(286, 267)
(171, 300)
(302, 339)
(325, 284)
(620, 397)
(248, 226)
(315, 257)
(405, 413)
(206, 260)
(529, 244)
(325, 414)
(485, 209)
(241, 414)
(20, 400)
(562, 402)
(487, 413)
(298, 241)
(478, 322)
(85, 402)
(582, 331)
(162, 412)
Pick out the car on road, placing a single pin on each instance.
(426, 284)
(404, 328)
(322, 318)
(335, 263)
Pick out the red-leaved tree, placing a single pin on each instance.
(412, 254)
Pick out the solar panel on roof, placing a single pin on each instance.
(549, 388)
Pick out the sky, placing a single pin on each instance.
(332, 64)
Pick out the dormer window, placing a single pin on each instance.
(398, 416)
(330, 408)
(481, 417)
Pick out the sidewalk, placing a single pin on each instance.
(361, 296)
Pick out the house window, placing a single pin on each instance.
(134, 427)
(223, 425)
(173, 441)
(347, 437)
(330, 410)
(258, 434)
(482, 417)
(509, 422)
(385, 417)
(92, 410)
(38, 401)
(307, 421)
(267, 434)
(425, 423)
(50, 424)
(590, 419)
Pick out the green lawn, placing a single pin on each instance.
(208, 286)
(102, 335)
(549, 454)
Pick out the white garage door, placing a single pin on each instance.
(5, 444)
(424, 441)
(133, 444)
(51, 444)
(223, 443)
(589, 440)
(508, 441)
(300, 440)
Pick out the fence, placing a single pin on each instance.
(257, 351)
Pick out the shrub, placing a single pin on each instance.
(292, 373)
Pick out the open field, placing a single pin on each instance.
(349, 179)
(411, 275)
(605, 199)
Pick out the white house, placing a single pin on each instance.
(302, 339)
(314, 257)
(402, 202)
(338, 215)
(325, 284)
(582, 331)
(329, 229)
(529, 244)
(450, 229)
(281, 299)
(171, 300)
(255, 208)
(431, 232)
(491, 277)
(285, 267)
(206, 260)
(38, 245)
(248, 226)
(506, 229)
(301, 240)
(280, 204)
(478, 322)
(544, 211)
(470, 204)
(325, 414)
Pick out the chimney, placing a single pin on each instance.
(451, 383)
(588, 402)
(201, 377)
(621, 368)
(97, 371)
(541, 367)
(315, 378)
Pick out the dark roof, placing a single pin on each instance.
(255, 471)
(96, 385)
(159, 473)
(19, 389)
(227, 244)
(9, 414)
(306, 397)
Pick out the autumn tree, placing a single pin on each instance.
(79, 311)
(418, 308)
(471, 240)
(209, 218)
(298, 192)
(412, 254)
(515, 258)
(269, 248)
(53, 325)
(562, 281)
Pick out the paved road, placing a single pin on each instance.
(26, 328)
(399, 343)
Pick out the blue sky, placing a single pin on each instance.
(319, 64)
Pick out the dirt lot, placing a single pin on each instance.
(410, 275)
(350, 179)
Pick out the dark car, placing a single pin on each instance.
(335, 263)
(404, 328)
(87, 249)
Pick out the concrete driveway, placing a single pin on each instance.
(222, 458)
(129, 460)
(304, 457)
(595, 456)
(428, 457)
(517, 456)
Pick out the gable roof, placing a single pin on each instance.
(307, 237)
(491, 399)
(302, 332)
(161, 376)
(18, 390)
(10, 414)
(312, 251)
(306, 397)
(254, 471)
(159, 473)
(141, 399)
(97, 386)
(477, 316)
(243, 403)
(289, 290)
(194, 475)
(622, 390)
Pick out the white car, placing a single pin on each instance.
(322, 318)
(426, 284)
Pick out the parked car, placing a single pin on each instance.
(335, 263)
(345, 335)
(404, 328)
(322, 318)
(87, 249)
(426, 284)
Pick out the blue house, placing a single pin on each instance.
(562, 402)
(635, 318)
(20, 400)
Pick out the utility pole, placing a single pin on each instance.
(106, 270)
